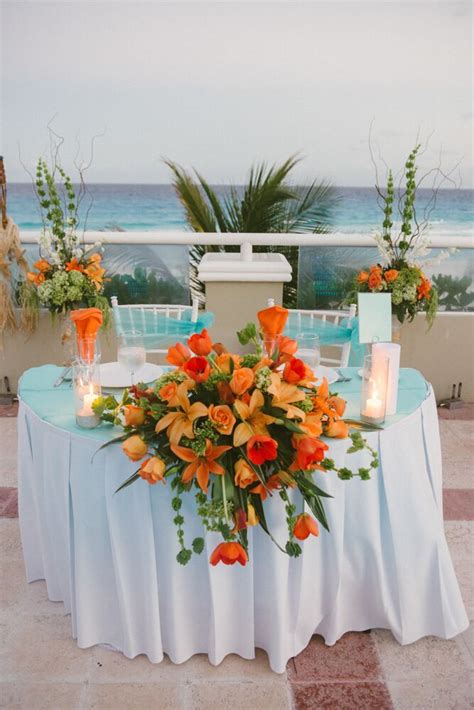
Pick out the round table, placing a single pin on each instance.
(112, 558)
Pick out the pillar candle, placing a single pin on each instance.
(392, 352)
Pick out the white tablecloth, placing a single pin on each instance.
(111, 558)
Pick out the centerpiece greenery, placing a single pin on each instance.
(235, 431)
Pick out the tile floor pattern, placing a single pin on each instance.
(42, 667)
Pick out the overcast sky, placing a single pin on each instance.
(220, 85)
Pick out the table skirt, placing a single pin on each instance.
(111, 558)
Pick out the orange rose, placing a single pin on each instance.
(200, 343)
(375, 279)
(168, 393)
(152, 470)
(305, 525)
(244, 474)
(273, 320)
(363, 277)
(135, 447)
(223, 361)
(229, 553)
(391, 275)
(222, 418)
(178, 354)
(242, 380)
(134, 416)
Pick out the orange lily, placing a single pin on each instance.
(74, 265)
(42, 265)
(181, 422)
(285, 395)
(201, 466)
(254, 421)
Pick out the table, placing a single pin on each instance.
(111, 558)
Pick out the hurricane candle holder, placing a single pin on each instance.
(374, 389)
(86, 383)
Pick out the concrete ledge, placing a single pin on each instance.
(232, 267)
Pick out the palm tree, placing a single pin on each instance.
(267, 203)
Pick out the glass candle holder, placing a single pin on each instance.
(309, 349)
(373, 401)
(86, 384)
(87, 349)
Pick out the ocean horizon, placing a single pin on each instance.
(147, 207)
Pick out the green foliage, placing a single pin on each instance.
(144, 286)
(454, 294)
(268, 203)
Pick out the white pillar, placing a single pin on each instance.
(238, 286)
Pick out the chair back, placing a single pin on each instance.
(143, 316)
(307, 317)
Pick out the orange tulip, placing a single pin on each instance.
(200, 343)
(305, 526)
(229, 553)
(391, 275)
(244, 474)
(273, 320)
(296, 372)
(287, 346)
(135, 447)
(222, 418)
(152, 470)
(223, 362)
(242, 380)
(261, 449)
(363, 277)
(200, 466)
(178, 354)
(134, 416)
(309, 453)
(197, 368)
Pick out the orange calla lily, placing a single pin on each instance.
(273, 320)
(201, 466)
(180, 423)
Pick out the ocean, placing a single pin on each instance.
(156, 207)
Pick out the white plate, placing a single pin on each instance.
(327, 372)
(113, 374)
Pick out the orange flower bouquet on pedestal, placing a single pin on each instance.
(236, 431)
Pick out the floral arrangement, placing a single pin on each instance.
(401, 275)
(411, 290)
(236, 431)
(68, 275)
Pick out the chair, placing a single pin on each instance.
(306, 319)
(146, 317)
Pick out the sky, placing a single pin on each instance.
(220, 85)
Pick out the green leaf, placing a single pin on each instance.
(248, 333)
(184, 556)
(134, 477)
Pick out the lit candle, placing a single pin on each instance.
(88, 401)
(374, 406)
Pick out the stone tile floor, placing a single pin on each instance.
(42, 667)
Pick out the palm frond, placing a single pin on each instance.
(311, 209)
(198, 214)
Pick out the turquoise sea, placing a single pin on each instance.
(156, 207)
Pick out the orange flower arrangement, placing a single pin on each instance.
(234, 429)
